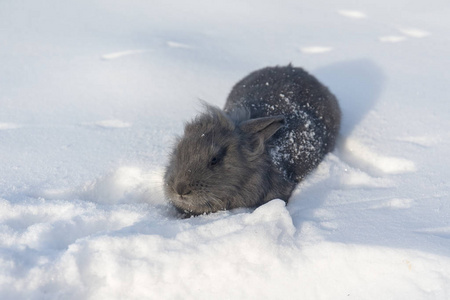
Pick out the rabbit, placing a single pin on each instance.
(277, 125)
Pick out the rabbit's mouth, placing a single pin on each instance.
(197, 204)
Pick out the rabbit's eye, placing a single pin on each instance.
(218, 158)
(214, 161)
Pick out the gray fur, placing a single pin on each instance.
(277, 125)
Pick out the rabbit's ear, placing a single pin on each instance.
(264, 127)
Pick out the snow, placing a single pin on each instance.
(352, 14)
(93, 94)
(315, 49)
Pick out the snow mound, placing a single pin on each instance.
(125, 185)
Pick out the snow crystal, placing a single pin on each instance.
(392, 39)
(112, 124)
(4, 126)
(178, 45)
(354, 14)
(116, 55)
(415, 33)
(315, 49)
(395, 204)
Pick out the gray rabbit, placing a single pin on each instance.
(277, 125)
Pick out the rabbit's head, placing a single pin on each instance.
(221, 162)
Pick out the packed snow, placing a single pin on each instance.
(93, 94)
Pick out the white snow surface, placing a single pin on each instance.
(93, 93)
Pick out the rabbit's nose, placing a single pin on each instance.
(183, 189)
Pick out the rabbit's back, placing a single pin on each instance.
(311, 113)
